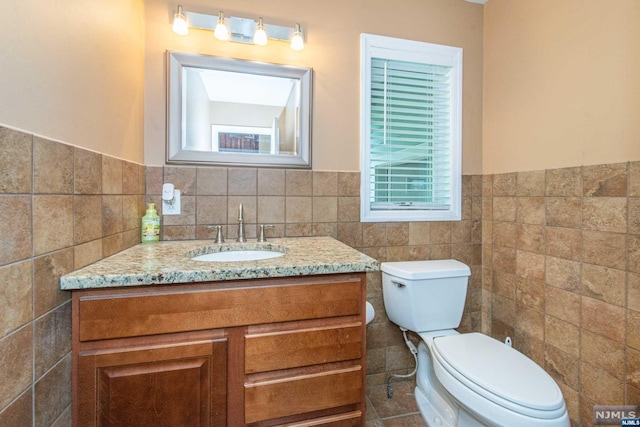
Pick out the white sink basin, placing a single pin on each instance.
(231, 256)
(235, 252)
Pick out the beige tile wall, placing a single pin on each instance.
(314, 203)
(60, 208)
(90, 207)
(554, 257)
(561, 276)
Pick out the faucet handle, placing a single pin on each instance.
(219, 238)
(261, 236)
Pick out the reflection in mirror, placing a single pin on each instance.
(234, 112)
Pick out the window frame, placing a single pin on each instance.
(375, 46)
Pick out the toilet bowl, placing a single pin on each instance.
(465, 379)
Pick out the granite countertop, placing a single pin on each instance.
(169, 262)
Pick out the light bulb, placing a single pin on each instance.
(260, 36)
(222, 31)
(180, 25)
(297, 42)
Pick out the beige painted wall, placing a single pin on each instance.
(561, 84)
(72, 70)
(332, 49)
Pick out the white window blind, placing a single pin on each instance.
(411, 131)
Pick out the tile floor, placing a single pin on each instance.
(399, 411)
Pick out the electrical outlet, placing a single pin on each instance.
(172, 208)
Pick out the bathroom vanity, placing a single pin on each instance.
(160, 339)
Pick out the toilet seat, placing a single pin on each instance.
(498, 373)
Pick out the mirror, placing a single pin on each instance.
(234, 112)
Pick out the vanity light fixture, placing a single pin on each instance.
(180, 25)
(237, 29)
(222, 31)
(260, 36)
(297, 41)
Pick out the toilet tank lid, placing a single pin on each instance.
(432, 269)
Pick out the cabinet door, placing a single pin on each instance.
(178, 384)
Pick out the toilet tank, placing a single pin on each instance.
(425, 295)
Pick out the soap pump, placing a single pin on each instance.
(150, 225)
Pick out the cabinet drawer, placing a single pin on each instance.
(291, 349)
(130, 313)
(299, 394)
(350, 419)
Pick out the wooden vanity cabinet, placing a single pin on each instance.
(265, 352)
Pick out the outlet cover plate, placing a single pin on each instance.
(172, 208)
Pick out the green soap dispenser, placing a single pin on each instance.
(151, 225)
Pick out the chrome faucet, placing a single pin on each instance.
(241, 237)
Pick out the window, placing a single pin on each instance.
(411, 122)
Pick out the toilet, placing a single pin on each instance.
(464, 379)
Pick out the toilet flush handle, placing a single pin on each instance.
(398, 284)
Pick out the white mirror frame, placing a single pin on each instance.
(175, 120)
